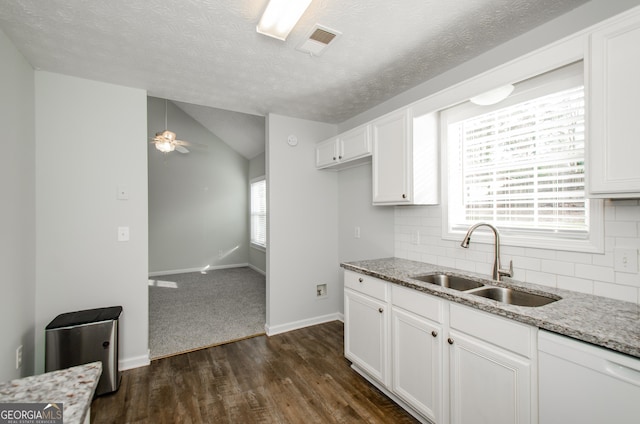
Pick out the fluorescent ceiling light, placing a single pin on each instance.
(280, 17)
(494, 96)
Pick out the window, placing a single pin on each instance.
(259, 212)
(519, 165)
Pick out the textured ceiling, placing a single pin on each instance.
(208, 52)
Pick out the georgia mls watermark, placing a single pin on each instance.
(31, 413)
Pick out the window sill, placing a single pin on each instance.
(258, 247)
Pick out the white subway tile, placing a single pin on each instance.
(626, 279)
(628, 213)
(542, 278)
(615, 291)
(603, 260)
(558, 267)
(465, 265)
(596, 273)
(575, 284)
(575, 257)
(540, 253)
(446, 261)
(523, 262)
(428, 258)
(621, 229)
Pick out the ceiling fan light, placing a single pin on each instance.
(494, 96)
(280, 17)
(165, 146)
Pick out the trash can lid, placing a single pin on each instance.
(88, 316)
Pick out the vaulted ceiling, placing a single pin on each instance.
(207, 52)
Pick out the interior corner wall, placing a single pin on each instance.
(198, 202)
(17, 214)
(301, 231)
(257, 257)
(91, 140)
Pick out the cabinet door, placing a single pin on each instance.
(391, 159)
(488, 385)
(614, 144)
(417, 362)
(366, 341)
(355, 144)
(327, 153)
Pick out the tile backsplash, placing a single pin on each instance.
(418, 237)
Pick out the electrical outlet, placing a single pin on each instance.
(321, 290)
(19, 357)
(415, 237)
(625, 260)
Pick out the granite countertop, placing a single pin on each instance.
(598, 320)
(73, 387)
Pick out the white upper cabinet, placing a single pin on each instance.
(614, 90)
(345, 149)
(405, 159)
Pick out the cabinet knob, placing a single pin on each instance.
(360, 280)
(380, 310)
(434, 333)
(334, 158)
(450, 340)
(339, 157)
(404, 196)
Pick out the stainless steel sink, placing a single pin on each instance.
(450, 281)
(512, 297)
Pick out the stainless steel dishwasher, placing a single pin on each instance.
(586, 384)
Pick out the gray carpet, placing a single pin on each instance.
(193, 310)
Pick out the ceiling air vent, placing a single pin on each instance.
(317, 40)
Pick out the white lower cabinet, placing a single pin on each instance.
(445, 362)
(366, 325)
(417, 362)
(488, 385)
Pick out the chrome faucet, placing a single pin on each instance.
(497, 270)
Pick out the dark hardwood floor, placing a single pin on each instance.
(296, 377)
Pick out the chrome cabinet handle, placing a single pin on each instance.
(450, 340)
(434, 333)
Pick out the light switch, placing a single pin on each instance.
(123, 192)
(356, 232)
(123, 233)
(625, 260)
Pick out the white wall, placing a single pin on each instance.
(198, 202)
(302, 223)
(91, 137)
(257, 257)
(17, 214)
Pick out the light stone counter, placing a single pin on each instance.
(73, 387)
(598, 320)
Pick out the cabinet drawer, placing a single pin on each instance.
(510, 335)
(365, 284)
(417, 302)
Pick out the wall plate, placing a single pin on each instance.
(292, 140)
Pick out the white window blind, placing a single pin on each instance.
(523, 166)
(259, 212)
(519, 165)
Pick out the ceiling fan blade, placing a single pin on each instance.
(181, 149)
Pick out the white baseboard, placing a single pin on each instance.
(200, 269)
(135, 362)
(256, 269)
(283, 328)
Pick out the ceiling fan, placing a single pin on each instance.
(166, 141)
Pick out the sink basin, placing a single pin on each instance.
(513, 297)
(450, 281)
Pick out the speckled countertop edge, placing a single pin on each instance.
(598, 320)
(73, 387)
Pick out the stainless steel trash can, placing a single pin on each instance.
(80, 337)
